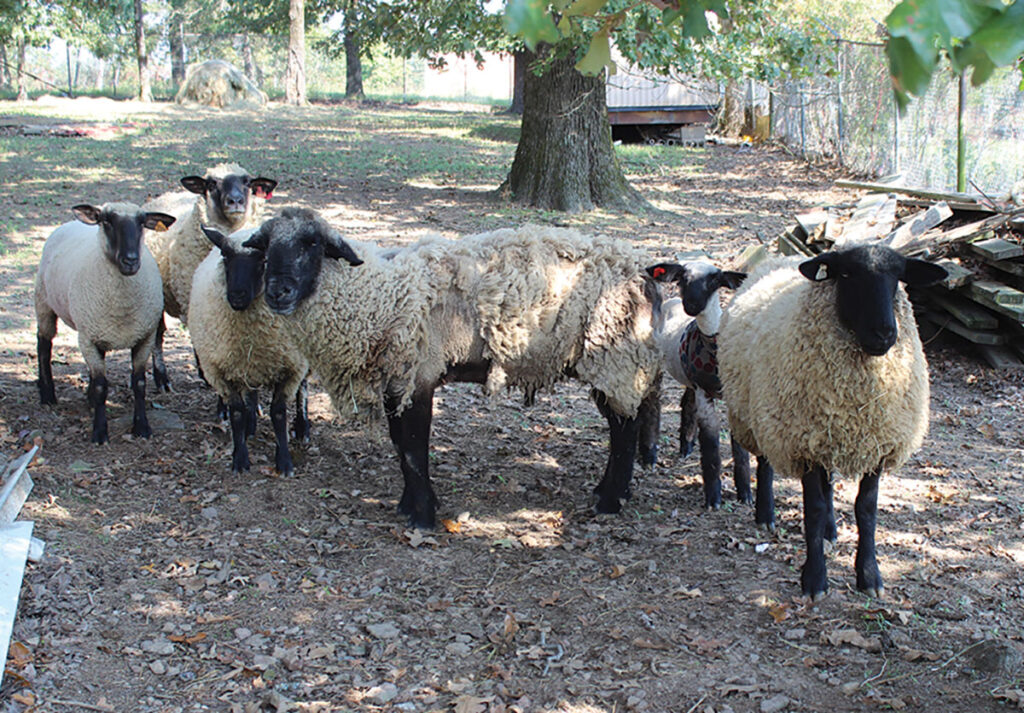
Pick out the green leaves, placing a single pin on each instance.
(531, 21)
(977, 34)
(598, 56)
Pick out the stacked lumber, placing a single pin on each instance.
(979, 241)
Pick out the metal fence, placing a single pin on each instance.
(851, 118)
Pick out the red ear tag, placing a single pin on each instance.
(658, 272)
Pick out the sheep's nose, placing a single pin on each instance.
(880, 340)
(238, 299)
(129, 264)
(281, 295)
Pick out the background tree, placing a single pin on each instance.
(145, 93)
(353, 61)
(295, 74)
(575, 38)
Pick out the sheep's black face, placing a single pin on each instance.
(866, 277)
(243, 275)
(122, 233)
(229, 196)
(697, 281)
(296, 243)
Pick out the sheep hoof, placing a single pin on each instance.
(143, 431)
(816, 597)
(873, 592)
(100, 438)
(649, 457)
(769, 526)
(422, 521)
(607, 506)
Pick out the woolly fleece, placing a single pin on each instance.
(180, 249)
(799, 389)
(86, 290)
(239, 351)
(540, 303)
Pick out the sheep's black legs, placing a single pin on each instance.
(710, 463)
(687, 421)
(140, 424)
(614, 486)
(813, 579)
(764, 508)
(649, 428)
(741, 472)
(97, 398)
(410, 432)
(830, 523)
(279, 417)
(239, 414)
(252, 405)
(44, 351)
(300, 426)
(869, 579)
(159, 368)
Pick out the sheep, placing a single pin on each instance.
(510, 308)
(686, 330)
(101, 280)
(823, 372)
(242, 345)
(224, 199)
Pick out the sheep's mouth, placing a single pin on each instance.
(284, 307)
(129, 267)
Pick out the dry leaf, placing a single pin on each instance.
(26, 699)
(917, 655)
(1015, 696)
(471, 704)
(853, 638)
(550, 601)
(18, 655)
(511, 627)
(452, 526)
(779, 612)
(987, 430)
(616, 571)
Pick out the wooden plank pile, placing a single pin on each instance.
(979, 241)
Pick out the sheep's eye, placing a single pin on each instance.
(844, 274)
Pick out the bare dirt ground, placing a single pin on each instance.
(170, 584)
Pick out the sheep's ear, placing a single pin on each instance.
(262, 187)
(194, 184)
(921, 273)
(257, 241)
(86, 213)
(216, 237)
(158, 221)
(817, 269)
(664, 271)
(337, 248)
(733, 280)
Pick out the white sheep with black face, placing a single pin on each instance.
(243, 346)
(227, 198)
(686, 330)
(823, 373)
(98, 277)
(519, 308)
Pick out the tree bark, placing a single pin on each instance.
(22, 87)
(6, 69)
(295, 75)
(249, 66)
(565, 159)
(731, 118)
(353, 63)
(520, 59)
(145, 90)
(176, 40)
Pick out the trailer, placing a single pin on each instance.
(651, 108)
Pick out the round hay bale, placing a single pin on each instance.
(219, 84)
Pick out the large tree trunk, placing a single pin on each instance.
(565, 159)
(731, 115)
(295, 75)
(520, 59)
(145, 90)
(22, 87)
(176, 40)
(353, 63)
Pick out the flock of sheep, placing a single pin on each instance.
(818, 361)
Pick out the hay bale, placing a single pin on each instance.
(219, 84)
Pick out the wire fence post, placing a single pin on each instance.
(803, 133)
(839, 101)
(961, 144)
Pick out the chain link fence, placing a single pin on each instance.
(851, 118)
